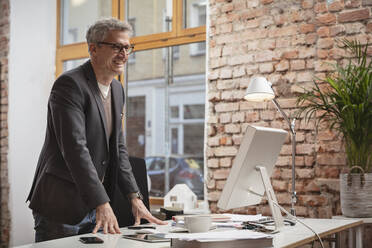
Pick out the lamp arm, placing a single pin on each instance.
(291, 124)
(293, 132)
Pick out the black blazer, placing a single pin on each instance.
(77, 150)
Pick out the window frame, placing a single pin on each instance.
(177, 36)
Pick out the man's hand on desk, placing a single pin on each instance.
(140, 211)
(106, 219)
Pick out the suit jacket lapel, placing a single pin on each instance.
(93, 85)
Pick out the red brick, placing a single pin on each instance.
(297, 64)
(224, 28)
(280, 19)
(284, 31)
(280, 185)
(322, 53)
(312, 200)
(213, 163)
(227, 7)
(252, 105)
(226, 107)
(296, 16)
(264, 56)
(307, 4)
(225, 151)
(323, 31)
(320, 7)
(240, 5)
(251, 35)
(266, 1)
(211, 184)
(325, 65)
(336, 6)
(232, 128)
(226, 84)
(354, 28)
(306, 52)
(220, 184)
(325, 43)
(287, 103)
(237, 139)
(283, 42)
(311, 38)
(226, 140)
(369, 27)
(214, 196)
(354, 15)
(335, 30)
(266, 68)
(212, 131)
(331, 159)
(312, 187)
(290, 54)
(352, 4)
(337, 53)
(326, 19)
(282, 66)
(305, 173)
(251, 116)
(328, 171)
(238, 117)
(221, 173)
(307, 28)
(225, 117)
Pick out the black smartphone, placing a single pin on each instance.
(141, 227)
(91, 240)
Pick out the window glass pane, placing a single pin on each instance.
(193, 136)
(149, 16)
(77, 15)
(174, 112)
(186, 103)
(195, 111)
(71, 64)
(136, 124)
(195, 13)
(174, 139)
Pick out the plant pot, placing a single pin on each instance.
(356, 194)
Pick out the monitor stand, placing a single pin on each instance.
(275, 211)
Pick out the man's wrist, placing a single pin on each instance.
(135, 195)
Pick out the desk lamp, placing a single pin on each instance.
(259, 90)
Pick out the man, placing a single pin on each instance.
(84, 155)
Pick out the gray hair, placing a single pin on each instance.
(98, 31)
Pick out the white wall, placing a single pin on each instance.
(31, 74)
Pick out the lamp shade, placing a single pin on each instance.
(259, 89)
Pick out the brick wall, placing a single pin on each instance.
(4, 185)
(288, 42)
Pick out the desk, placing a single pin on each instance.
(358, 231)
(290, 236)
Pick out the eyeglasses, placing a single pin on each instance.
(118, 48)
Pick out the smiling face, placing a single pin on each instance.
(107, 61)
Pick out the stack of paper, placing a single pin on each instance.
(221, 239)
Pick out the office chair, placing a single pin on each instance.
(121, 206)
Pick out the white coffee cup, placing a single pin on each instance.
(196, 224)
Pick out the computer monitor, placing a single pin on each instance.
(249, 176)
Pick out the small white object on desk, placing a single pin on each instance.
(181, 196)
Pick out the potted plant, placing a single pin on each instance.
(344, 100)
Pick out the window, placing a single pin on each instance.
(157, 25)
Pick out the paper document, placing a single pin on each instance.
(218, 235)
(243, 217)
